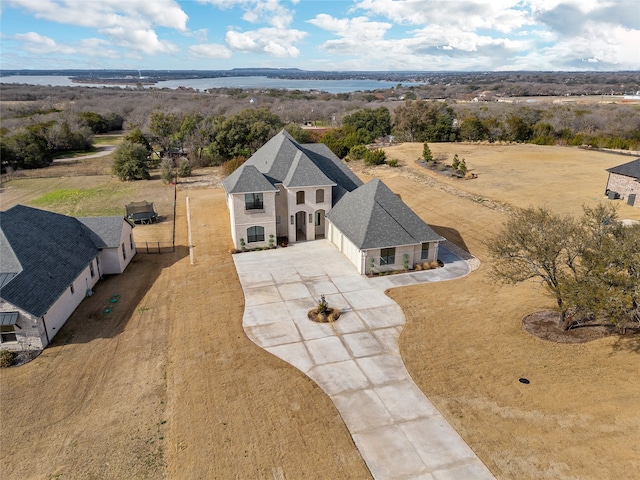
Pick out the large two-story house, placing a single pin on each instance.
(288, 192)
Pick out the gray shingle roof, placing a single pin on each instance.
(52, 251)
(9, 263)
(372, 216)
(304, 173)
(283, 160)
(247, 179)
(105, 232)
(630, 169)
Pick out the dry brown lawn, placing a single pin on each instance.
(167, 385)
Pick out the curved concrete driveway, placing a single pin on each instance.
(355, 360)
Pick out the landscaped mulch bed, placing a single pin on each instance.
(546, 325)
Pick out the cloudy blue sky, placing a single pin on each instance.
(431, 35)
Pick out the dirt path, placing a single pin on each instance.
(103, 152)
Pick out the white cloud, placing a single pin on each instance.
(144, 40)
(468, 15)
(210, 50)
(271, 12)
(359, 28)
(487, 34)
(272, 41)
(33, 42)
(127, 23)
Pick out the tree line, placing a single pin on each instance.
(213, 128)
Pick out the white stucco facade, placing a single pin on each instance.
(369, 261)
(114, 260)
(294, 214)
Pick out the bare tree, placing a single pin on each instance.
(536, 244)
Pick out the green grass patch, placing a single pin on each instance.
(102, 140)
(74, 153)
(97, 201)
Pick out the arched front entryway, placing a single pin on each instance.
(301, 226)
(318, 220)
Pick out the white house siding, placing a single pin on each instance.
(282, 211)
(243, 219)
(346, 247)
(432, 254)
(111, 259)
(309, 207)
(399, 258)
(62, 309)
(232, 216)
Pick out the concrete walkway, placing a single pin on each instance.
(355, 360)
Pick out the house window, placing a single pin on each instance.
(131, 241)
(253, 201)
(300, 197)
(255, 234)
(425, 251)
(317, 222)
(73, 290)
(124, 253)
(7, 333)
(91, 270)
(387, 256)
(320, 196)
(278, 219)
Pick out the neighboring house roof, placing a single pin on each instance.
(284, 161)
(105, 232)
(9, 263)
(372, 216)
(630, 169)
(52, 250)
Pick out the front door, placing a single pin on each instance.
(318, 218)
(301, 227)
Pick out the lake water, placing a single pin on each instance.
(331, 86)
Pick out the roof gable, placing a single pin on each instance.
(105, 232)
(630, 169)
(372, 216)
(283, 160)
(304, 173)
(247, 179)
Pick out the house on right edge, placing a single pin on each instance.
(624, 182)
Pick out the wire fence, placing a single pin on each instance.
(155, 247)
(162, 247)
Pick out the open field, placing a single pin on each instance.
(169, 386)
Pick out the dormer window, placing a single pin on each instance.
(253, 201)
